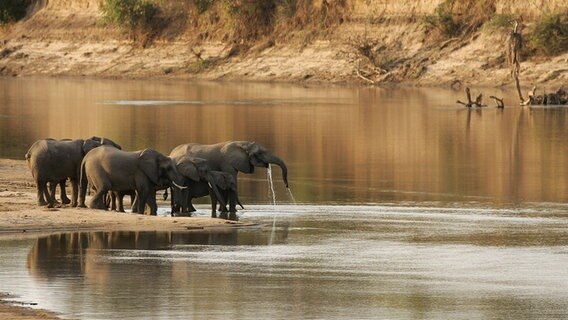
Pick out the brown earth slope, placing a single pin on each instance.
(381, 40)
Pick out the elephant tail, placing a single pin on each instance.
(239, 203)
(83, 184)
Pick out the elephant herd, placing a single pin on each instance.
(190, 171)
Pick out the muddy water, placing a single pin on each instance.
(407, 206)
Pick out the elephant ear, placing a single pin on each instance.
(90, 144)
(238, 156)
(148, 163)
(108, 142)
(187, 169)
(231, 182)
(220, 180)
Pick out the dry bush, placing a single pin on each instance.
(454, 18)
(549, 35)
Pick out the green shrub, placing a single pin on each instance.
(129, 13)
(250, 18)
(454, 18)
(443, 19)
(501, 21)
(202, 5)
(550, 34)
(13, 10)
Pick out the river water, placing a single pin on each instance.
(407, 205)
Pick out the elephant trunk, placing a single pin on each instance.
(213, 186)
(279, 162)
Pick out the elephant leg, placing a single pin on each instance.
(51, 194)
(152, 204)
(119, 202)
(232, 201)
(213, 208)
(74, 193)
(98, 202)
(134, 204)
(132, 196)
(141, 201)
(63, 194)
(41, 193)
(174, 207)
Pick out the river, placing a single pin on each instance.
(407, 206)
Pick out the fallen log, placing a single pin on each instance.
(470, 103)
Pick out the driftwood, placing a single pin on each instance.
(560, 97)
(470, 103)
(498, 102)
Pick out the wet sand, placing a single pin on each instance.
(20, 217)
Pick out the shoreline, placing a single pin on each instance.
(19, 311)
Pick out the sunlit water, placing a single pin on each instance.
(407, 206)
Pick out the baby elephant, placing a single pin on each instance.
(221, 187)
(110, 169)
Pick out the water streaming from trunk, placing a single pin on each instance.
(271, 184)
(291, 196)
(271, 189)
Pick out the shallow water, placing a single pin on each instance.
(407, 206)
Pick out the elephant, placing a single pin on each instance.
(228, 188)
(200, 182)
(110, 169)
(53, 161)
(232, 157)
(114, 199)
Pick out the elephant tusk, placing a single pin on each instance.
(210, 186)
(178, 186)
(102, 141)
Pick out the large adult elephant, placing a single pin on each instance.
(232, 157)
(53, 161)
(203, 182)
(110, 169)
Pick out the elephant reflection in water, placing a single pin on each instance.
(72, 253)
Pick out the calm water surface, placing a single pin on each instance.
(408, 206)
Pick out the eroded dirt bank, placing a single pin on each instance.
(378, 40)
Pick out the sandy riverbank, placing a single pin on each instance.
(21, 217)
(20, 214)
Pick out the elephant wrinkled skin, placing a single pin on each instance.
(53, 161)
(232, 157)
(110, 169)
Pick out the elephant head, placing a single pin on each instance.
(224, 180)
(159, 168)
(196, 169)
(93, 142)
(245, 155)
